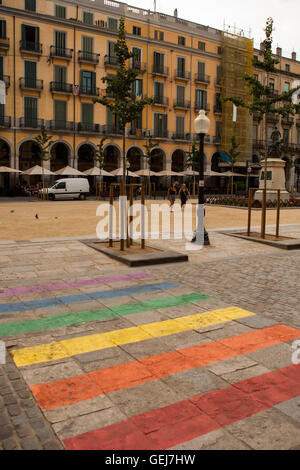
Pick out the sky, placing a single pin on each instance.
(243, 14)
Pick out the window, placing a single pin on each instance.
(201, 99)
(88, 82)
(60, 74)
(286, 87)
(286, 135)
(181, 40)
(255, 132)
(220, 50)
(218, 105)
(201, 71)
(60, 11)
(87, 17)
(113, 121)
(60, 39)
(218, 131)
(60, 114)
(158, 62)
(272, 84)
(201, 46)
(136, 59)
(87, 116)
(2, 29)
(287, 67)
(160, 125)
(112, 23)
(180, 67)
(180, 127)
(30, 74)
(31, 38)
(136, 30)
(218, 74)
(136, 126)
(87, 47)
(180, 95)
(137, 87)
(159, 35)
(159, 92)
(60, 186)
(30, 112)
(30, 5)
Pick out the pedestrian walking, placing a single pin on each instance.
(171, 195)
(184, 195)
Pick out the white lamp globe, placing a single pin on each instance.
(201, 123)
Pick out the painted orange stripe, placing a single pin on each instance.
(82, 387)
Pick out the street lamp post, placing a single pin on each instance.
(201, 126)
(249, 169)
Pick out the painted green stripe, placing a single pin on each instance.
(48, 323)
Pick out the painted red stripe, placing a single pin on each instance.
(183, 421)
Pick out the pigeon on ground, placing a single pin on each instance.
(12, 211)
(36, 216)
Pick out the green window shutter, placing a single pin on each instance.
(60, 11)
(93, 74)
(180, 125)
(60, 114)
(87, 44)
(30, 74)
(1, 67)
(111, 49)
(23, 30)
(201, 69)
(3, 29)
(60, 74)
(112, 24)
(180, 92)
(87, 116)
(88, 18)
(60, 43)
(30, 111)
(30, 5)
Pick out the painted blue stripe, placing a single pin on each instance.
(71, 299)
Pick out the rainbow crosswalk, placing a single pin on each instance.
(83, 383)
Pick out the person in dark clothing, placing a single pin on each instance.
(171, 196)
(184, 195)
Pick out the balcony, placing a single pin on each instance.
(61, 87)
(217, 139)
(138, 66)
(61, 53)
(31, 47)
(57, 125)
(111, 61)
(218, 109)
(202, 78)
(31, 84)
(88, 57)
(5, 121)
(160, 70)
(199, 106)
(218, 82)
(180, 136)
(182, 104)
(182, 75)
(31, 123)
(4, 43)
(272, 117)
(88, 91)
(88, 127)
(287, 121)
(161, 101)
(258, 144)
(110, 129)
(161, 133)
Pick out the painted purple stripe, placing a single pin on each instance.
(70, 284)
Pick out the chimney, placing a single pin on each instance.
(294, 56)
(176, 13)
(278, 51)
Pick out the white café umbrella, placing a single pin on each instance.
(119, 172)
(6, 169)
(146, 173)
(169, 173)
(95, 171)
(37, 170)
(69, 171)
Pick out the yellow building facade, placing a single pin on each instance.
(53, 56)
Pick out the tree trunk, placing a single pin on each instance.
(264, 195)
(123, 190)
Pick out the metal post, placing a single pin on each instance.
(250, 195)
(143, 218)
(201, 185)
(110, 221)
(278, 213)
(130, 216)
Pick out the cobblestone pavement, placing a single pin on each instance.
(200, 359)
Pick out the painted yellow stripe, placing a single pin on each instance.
(70, 347)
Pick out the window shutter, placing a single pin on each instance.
(30, 74)
(87, 44)
(60, 114)
(165, 125)
(23, 32)
(3, 29)
(60, 42)
(201, 69)
(1, 67)
(30, 111)
(60, 74)
(88, 18)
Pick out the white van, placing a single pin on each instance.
(69, 188)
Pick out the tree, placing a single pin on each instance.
(44, 141)
(264, 101)
(149, 146)
(233, 155)
(99, 157)
(125, 104)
